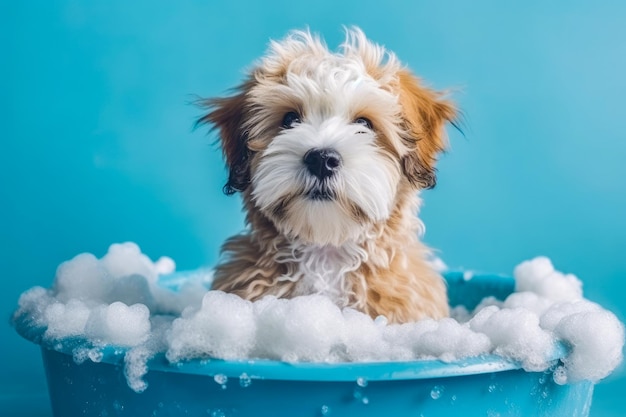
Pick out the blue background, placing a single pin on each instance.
(98, 146)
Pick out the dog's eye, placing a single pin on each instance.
(290, 119)
(364, 121)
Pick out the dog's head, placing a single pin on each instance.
(322, 143)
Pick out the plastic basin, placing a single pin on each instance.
(484, 386)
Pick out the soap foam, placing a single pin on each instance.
(125, 300)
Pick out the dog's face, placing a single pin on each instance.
(324, 143)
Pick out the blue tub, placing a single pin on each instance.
(486, 386)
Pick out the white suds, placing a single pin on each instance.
(127, 301)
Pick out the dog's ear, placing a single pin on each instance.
(227, 115)
(424, 113)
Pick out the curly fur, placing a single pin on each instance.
(359, 245)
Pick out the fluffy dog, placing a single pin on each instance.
(329, 150)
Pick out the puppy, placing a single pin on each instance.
(329, 151)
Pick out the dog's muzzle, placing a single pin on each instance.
(322, 163)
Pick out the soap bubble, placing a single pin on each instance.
(121, 301)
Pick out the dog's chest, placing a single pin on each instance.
(325, 270)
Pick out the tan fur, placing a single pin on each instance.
(425, 114)
(391, 276)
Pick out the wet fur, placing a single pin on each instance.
(361, 249)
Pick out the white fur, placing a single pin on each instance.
(323, 269)
(330, 92)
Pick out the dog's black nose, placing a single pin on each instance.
(322, 162)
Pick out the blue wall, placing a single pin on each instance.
(98, 144)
